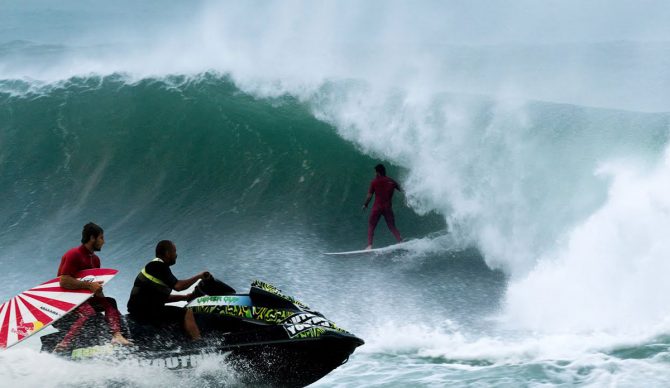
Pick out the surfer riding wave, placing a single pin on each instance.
(382, 187)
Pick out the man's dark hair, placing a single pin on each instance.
(163, 247)
(90, 230)
(380, 169)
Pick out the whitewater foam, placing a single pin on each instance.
(611, 274)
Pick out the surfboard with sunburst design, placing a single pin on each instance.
(34, 309)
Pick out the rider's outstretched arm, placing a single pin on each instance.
(181, 285)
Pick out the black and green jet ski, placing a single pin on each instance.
(268, 337)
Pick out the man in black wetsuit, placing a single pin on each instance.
(153, 287)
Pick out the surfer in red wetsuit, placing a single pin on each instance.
(79, 259)
(382, 187)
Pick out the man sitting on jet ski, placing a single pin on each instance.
(152, 290)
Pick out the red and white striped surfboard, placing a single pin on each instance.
(39, 307)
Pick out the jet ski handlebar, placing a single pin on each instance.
(211, 286)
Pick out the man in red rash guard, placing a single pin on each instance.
(382, 187)
(78, 259)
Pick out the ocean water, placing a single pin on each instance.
(531, 140)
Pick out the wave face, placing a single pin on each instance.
(176, 156)
(532, 145)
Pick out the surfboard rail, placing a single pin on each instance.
(381, 250)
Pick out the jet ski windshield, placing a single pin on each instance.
(265, 294)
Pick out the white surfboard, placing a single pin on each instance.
(374, 251)
(34, 309)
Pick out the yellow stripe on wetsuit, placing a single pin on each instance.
(153, 278)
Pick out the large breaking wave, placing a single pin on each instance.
(546, 153)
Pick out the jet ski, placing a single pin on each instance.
(268, 337)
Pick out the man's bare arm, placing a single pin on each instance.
(70, 283)
(181, 285)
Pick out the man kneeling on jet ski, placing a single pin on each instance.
(153, 287)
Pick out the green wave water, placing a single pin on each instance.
(195, 159)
